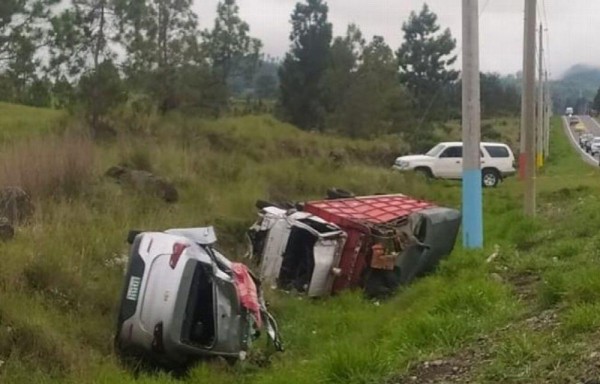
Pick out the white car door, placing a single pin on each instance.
(449, 163)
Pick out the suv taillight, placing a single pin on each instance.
(178, 249)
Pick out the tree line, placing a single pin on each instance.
(363, 88)
(95, 55)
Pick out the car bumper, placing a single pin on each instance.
(511, 173)
(129, 299)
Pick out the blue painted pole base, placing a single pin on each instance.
(472, 205)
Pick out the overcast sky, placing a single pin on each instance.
(571, 24)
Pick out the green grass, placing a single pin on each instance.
(502, 129)
(59, 287)
(19, 121)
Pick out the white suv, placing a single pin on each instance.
(444, 161)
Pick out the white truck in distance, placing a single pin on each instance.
(569, 111)
(444, 161)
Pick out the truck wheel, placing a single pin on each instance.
(424, 172)
(490, 178)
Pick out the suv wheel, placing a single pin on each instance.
(424, 172)
(490, 178)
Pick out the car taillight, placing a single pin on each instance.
(178, 249)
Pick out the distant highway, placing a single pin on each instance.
(592, 127)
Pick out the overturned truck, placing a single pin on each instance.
(374, 242)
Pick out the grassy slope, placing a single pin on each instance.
(18, 121)
(58, 287)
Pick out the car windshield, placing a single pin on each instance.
(596, 139)
(433, 152)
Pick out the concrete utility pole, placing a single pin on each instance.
(528, 107)
(471, 129)
(540, 109)
(547, 116)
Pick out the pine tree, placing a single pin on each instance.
(302, 100)
(425, 58)
(231, 50)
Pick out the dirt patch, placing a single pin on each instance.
(554, 211)
(463, 366)
(524, 285)
(592, 372)
(544, 320)
(585, 365)
(438, 371)
(454, 369)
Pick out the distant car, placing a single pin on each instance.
(573, 120)
(580, 128)
(182, 300)
(588, 144)
(595, 146)
(569, 111)
(444, 161)
(584, 139)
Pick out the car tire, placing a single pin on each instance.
(424, 172)
(490, 178)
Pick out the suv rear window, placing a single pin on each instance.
(497, 151)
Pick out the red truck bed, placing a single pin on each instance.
(354, 215)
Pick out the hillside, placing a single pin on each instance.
(579, 84)
(18, 121)
(529, 315)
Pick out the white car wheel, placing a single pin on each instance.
(490, 178)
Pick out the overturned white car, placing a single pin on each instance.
(182, 299)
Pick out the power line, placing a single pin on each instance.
(484, 8)
(547, 32)
(545, 13)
